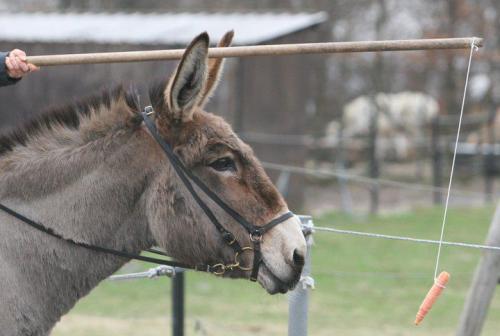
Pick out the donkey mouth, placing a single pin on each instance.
(275, 285)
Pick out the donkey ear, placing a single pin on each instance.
(187, 85)
(215, 66)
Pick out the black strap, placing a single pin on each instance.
(182, 171)
(96, 248)
(257, 260)
(275, 222)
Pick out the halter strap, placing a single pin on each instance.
(96, 248)
(186, 176)
(181, 169)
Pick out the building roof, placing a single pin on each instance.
(155, 28)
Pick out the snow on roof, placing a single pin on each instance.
(155, 28)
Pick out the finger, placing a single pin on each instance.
(13, 73)
(19, 53)
(24, 67)
(14, 62)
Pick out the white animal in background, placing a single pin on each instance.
(402, 119)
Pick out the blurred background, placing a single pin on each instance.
(359, 141)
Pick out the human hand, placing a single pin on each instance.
(16, 64)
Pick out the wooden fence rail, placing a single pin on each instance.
(261, 50)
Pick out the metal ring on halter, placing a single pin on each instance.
(229, 238)
(237, 258)
(223, 268)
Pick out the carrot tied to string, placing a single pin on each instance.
(432, 295)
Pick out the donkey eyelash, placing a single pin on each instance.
(224, 164)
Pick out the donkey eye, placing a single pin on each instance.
(223, 164)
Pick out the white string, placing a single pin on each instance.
(472, 48)
(407, 239)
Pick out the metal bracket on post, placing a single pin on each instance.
(178, 284)
(298, 299)
(152, 273)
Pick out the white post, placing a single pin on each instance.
(298, 299)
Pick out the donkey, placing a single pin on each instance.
(93, 173)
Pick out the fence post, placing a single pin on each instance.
(483, 284)
(178, 303)
(489, 155)
(345, 195)
(298, 299)
(374, 169)
(437, 161)
(283, 183)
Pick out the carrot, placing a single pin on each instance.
(432, 295)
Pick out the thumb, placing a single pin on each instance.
(33, 68)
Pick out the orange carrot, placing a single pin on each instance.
(432, 295)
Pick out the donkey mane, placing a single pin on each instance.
(70, 116)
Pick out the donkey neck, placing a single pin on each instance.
(91, 193)
(79, 189)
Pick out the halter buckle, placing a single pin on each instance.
(149, 110)
(256, 236)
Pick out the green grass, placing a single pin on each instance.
(364, 286)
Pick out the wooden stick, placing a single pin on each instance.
(260, 50)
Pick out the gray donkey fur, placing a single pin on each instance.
(102, 179)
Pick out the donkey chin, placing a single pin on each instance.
(283, 253)
(273, 284)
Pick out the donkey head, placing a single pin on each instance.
(207, 146)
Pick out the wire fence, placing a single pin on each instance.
(384, 274)
(407, 239)
(377, 181)
(334, 141)
(171, 271)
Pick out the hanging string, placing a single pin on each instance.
(473, 47)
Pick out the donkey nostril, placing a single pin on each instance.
(298, 258)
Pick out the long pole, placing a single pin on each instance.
(260, 50)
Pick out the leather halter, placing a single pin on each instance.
(255, 232)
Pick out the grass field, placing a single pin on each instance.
(363, 287)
